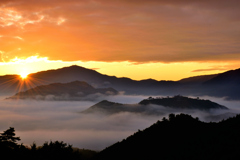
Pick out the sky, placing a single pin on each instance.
(140, 39)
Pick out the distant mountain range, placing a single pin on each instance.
(76, 90)
(225, 84)
(179, 137)
(152, 106)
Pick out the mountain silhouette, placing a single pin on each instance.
(63, 91)
(181, 102)
(197, 79)
(229, 77)
(152, 106)
(108, 108)
(73, 73)
(10, 84)
(225, 84)
(179, 137)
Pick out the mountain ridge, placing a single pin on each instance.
(63, 91)
(213, 85)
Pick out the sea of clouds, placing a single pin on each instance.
(40, 121)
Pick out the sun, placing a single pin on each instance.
(23, 75)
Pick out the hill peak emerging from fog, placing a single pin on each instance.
(153, 106)
(182, 102)
(64, 91)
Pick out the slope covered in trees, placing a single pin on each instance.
(183, 103)
(152, 106)
(180, 137)
(10, 149)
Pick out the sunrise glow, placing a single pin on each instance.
(159, 40)
(23, 75)
(136, 71)
(90, 73)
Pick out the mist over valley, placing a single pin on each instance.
(119, 79)
(39, 121)
(93, 111)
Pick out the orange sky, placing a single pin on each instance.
(164, 40)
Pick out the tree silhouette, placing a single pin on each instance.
(8, 138)
(10, 149)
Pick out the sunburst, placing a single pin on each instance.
(23, 75)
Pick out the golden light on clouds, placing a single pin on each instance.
(11, 17)
(60, 21)
(158, 71)
(146, 39)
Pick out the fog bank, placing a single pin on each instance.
(40, 121)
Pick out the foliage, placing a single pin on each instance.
(176, 137)
(48, 151)
(8, 136)
(9, 146)
(180, 137)
(55, 150)
(181, 102)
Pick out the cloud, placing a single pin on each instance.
(11, 17)
(67, 97)
(136, 31)
(15, 37)
(209, 69)
(94, 68)
(223, 67)
(40, 121)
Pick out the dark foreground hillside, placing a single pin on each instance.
(180, 137)
(58, 150)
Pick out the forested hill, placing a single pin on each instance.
(182, 102)
(180, 137)
(153, 106)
